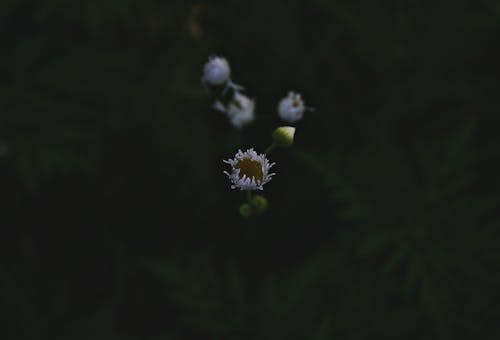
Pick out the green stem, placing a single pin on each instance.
(270, 148)
(249, 196)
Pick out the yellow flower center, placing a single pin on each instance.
(250, 168)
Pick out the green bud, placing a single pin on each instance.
(259, 204)
(245, 210)
(283, 136)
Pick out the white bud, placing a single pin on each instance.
(291, 108)
(216, 71)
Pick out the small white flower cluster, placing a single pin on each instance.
(239, 108)
(250, 170)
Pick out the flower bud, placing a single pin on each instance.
(245, 210)
(283, 136)
(240, 110)
(249, 170)
(258, 204)
(4, 150)
(291, 108)
(216, 71)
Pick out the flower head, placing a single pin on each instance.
(240, 109)
(216, 71)
(249, 170)
(291, 108)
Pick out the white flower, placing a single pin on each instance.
(291, 108)
(216, 71)
(249, 171)
(240, 109)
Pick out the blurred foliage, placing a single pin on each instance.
(117, 222)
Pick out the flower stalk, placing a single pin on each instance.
(250, 171)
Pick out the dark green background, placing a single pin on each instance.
(117, 222)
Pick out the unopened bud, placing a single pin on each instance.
(245, 210)
(283, 136)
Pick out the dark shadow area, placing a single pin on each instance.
(117, 221)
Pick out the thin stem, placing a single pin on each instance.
(249, 196)
(270, 148)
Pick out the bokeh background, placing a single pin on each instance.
(116, 219)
